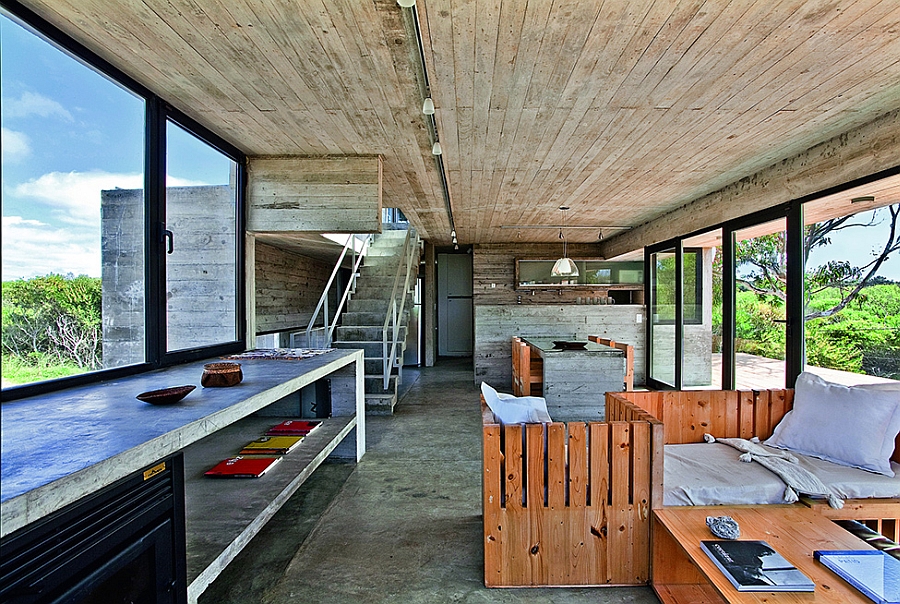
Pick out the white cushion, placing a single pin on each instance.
(849, 425)
(511, 409)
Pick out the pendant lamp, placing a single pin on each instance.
(565, 266)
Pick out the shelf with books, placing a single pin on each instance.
(224, 515)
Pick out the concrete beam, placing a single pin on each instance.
(314, 194)
(861, 152)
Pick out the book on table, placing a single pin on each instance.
(755, 566)
(271, 445)
(295, 427)
(872, 572)
(242, 467)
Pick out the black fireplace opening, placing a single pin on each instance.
(121, 545)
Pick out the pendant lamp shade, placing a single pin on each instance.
(428, 106)
(406, 3)
(564, 267)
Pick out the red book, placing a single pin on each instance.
(242, 467)
(299, 427)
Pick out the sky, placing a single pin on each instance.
(67, 134)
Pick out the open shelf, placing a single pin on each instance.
(224, 514)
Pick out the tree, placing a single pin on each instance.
(765, 262)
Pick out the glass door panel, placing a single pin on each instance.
(760, 312)
(702, 300)
(852, 293)
(663, 279)
(200, 241)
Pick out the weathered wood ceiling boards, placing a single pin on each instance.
(623, 110)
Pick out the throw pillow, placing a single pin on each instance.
(849, 425)
(511, 409)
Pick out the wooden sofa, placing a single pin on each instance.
(569, 503)
(688, 415)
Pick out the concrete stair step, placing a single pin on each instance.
(380, 404)
(375, 384)
(372, 349)
(373, 366)
(364, 333)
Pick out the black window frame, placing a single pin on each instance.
(157, 113)
(795, 338)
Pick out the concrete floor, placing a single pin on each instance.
(402, 526)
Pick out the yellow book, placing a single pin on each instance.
(271, 445)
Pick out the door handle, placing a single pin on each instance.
(168, 237)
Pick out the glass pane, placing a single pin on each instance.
(703, 311)
(201, 262)
(73, 214)
(760, 267)
(662, 316)
(852, 290)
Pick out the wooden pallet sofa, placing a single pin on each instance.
(688, 415)
(569, 503)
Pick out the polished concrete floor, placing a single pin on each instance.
(402, 526)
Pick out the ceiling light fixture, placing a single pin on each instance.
(428, 106)
(564, 267)
(406, 3)
(436, 148)
(863, 198)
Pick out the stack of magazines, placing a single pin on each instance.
(259, 456)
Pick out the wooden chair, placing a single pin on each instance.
(527, 370)
(628, 349)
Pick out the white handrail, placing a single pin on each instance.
(392, 314)
(323, 299)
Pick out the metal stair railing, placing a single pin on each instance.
(351, 287)
(393, 313)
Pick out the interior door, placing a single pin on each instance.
(455, 324)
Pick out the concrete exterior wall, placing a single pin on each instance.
(200, 272)
(122, 252)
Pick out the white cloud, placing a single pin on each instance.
(32, 103)
(74, 197)
(32, 248)
(16, 146)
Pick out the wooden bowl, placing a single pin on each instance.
(221, 375)
(165, 396)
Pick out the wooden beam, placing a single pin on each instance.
(858, 153)
(319, 194)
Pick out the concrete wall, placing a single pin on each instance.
(288, 287)
(501, 311)
(200, 272)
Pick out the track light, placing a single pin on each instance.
(436, 149)
(455, 246)
(428, 106)
(453, 233)
(406, 3)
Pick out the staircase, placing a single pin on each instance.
(362, 324)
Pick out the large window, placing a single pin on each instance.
(100, 181)
(852, 286)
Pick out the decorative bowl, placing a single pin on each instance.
(220, 375)
(165, 396)
(569, 345)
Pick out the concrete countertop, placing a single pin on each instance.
(59, 447)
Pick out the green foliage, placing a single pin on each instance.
(52, 324)
(757, 330)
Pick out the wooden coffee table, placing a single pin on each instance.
(683, 574)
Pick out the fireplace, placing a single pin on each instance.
(121, 545)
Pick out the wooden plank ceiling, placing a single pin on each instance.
(621, 110)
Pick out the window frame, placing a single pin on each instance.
(157, 113)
